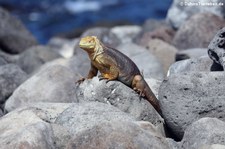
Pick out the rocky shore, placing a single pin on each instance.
(181, 58)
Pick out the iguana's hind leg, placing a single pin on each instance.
(140, 86)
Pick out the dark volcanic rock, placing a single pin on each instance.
(11, 76)
(180, 11)
(14, 37)
(185, 98)
(217, 48)
(204, 132)
(198, 31)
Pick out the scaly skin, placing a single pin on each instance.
(114, 65)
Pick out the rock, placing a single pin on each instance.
(65, 47)
(127, 100)
(11, 76)
(185, 98)
(217, 48)
(117, 135)
(53, 84)
(2, 61)
(163, 33)
(198, 31)
(14, 37)
(202, 64)
(78, 65)
(210, 131)
(159, 48)
(214, 146)
(191, 53)
(83, 116)
(180, 11)
(154, 85)
(153, 24)
(126, 34)
(104, 34)
(47, 113)
(24, 129)
(34, 57)
(8, 58)
(57, 125)
(146, 62)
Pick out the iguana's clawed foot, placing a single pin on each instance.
(101, 78)
(141, 94)
(80, 81)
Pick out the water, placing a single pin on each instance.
(47, 18)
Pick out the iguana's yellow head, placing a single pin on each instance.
(88, 42)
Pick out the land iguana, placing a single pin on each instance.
(114, 65)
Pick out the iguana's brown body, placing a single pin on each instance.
(114, 65)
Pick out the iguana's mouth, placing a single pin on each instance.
(83, 45)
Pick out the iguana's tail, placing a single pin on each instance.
(141, 86)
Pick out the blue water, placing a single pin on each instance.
(47, 18)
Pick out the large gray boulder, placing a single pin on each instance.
(83, 116)
(180, 11)
(11, 76)
(14, 37)
(203, 133)
(185, 98)
(198, 31)
(146, 62)
(202, 64)
(53, 84)
(64, 125)
(119, 95)
(24, 129)
(119, 135)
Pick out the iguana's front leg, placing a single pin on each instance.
(92, 72)
(110, 75)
